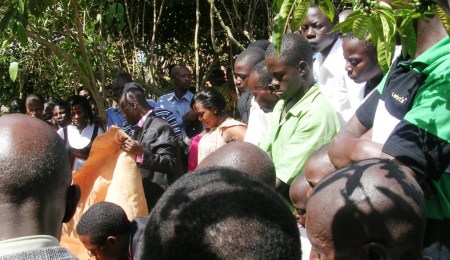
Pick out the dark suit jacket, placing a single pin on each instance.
(161, 165)
(45, 253)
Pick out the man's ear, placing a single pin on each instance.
(374, 251)
(72, 199)
(302, 68)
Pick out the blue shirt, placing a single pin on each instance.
(116, 118)
(178, 106)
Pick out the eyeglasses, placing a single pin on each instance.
(122, 110)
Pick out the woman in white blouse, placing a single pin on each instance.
(79, 135)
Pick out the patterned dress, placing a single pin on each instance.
(213, 139)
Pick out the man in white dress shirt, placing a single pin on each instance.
(329, 64)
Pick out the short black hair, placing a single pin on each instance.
(294, 48)
(251, 55)
(209, 97)
(264, 77)
(77, 100)
(369, 46)
(221, 213)
(262, 44)
(17, 105)
(133, 91)
(122, 78)
(101, 220)
(34, 166)
(34, 96)
(174, 69)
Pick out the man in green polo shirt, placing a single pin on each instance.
(303, 119)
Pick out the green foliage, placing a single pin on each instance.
(13, 70)
(371, 20)
(444, 19)
(116, 11)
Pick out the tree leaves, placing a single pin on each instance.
(13, 70)
(116, 11)
(444, 19)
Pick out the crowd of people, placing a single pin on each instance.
(328, 158)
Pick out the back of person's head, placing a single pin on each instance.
(344, 14)
(245, 157)
(134, 92)
(318, 166)
(210, 97)
(294, 49)
(35, 179)
(371, 209)
(251, 55)
(104, 230)
(122, 78)
(220, 213)
(17, 105)
(262, 44)
(83, 102)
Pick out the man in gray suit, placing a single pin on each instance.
(36, 195)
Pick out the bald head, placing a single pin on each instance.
(298, 194)
(318, 166)
(35, 178)
(370, 208)
(245, 157)
(34, 163)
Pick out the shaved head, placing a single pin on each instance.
(298, 194)
(318, 166)
(36, 195)
(245, 157)
(370, 208)
(33, 159)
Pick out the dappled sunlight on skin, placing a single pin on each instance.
(384, 205)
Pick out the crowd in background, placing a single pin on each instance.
(327, 157)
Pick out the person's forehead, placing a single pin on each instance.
(314, 14)
(181, 71)
(275, 64)
(242, 67)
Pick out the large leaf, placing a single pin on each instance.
(347, 25)
(120, 14)
(361, 26)
(377, 26)
(110, 13)
(276, 5)
(444, 19)
(408, 37)
(22, 34)
(280, 22)
(7, 17)
(381, 52)
(327, 7)
(299, 14)
(13, 70)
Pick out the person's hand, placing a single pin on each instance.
(132, 147)
(189, 116)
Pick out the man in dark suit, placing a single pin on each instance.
(36, 195)
(154, 144)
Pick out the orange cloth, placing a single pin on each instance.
(111, 175)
